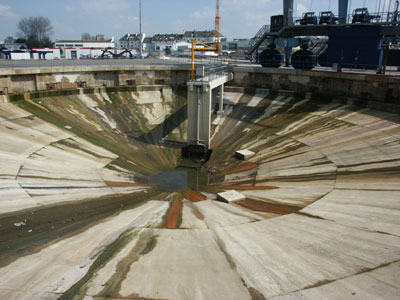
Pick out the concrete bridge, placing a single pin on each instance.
(200, 105)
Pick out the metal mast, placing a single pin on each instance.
(217, 44)
(140, 28)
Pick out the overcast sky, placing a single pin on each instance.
(239, 18)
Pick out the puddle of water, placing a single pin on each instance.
(172, 181)
(186, 175)
(179, 179)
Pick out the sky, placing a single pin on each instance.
(115, 18)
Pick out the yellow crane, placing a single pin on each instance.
(217, 43)
(199, 46)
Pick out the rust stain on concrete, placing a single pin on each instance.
(174, 214)
(278, 209)
(242, 168)
(194, 196)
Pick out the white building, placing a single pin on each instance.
(74, 49)
(166, 43)
(52, 53)
(131, 41)
(162, 42)
(207, 37)
(20, 55)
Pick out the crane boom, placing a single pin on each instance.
(217, 44)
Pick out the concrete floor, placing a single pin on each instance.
(321, 217)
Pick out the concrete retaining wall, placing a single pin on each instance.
(361, 86)
(381, 91)
(26, 80)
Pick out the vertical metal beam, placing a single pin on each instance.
(221, 99)
(140, 28)
(343, 11)
(198, 115)
(288, 13)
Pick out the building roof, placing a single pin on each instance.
(83, 41)
(167, 37)
(196, 34)
(147, 40)
(131, 37)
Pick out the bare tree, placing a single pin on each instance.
(36, 31)
(87, 37)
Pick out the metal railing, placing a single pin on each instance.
(82, 63)
(216, 72)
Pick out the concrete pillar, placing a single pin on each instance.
(191, 113)
(205, 114)
(199, 120)
(36, 82)
(221, 99)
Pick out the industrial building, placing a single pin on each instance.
(359, 39)
(75, 49)
(172, 43)
(234, 46)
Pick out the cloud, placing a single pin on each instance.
(7, 13)
(257, 18)
(206, 13)
(93, 7)
(301, 8)
(63, 31)
(128, 24)
(241, 4)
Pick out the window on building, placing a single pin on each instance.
(232, 46)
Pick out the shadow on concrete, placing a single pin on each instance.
(161, 131)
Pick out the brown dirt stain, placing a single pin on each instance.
(194, 196)
(196, 212)
(278, 209)
(174, 213)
